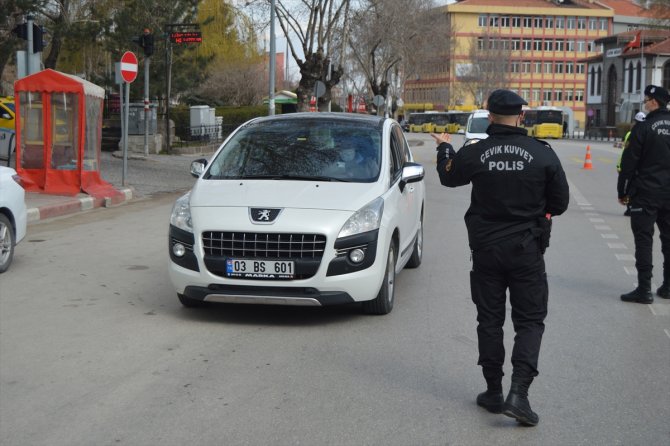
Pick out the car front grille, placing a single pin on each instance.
(262, 245)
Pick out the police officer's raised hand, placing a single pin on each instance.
(442, 137)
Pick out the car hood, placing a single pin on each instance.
(283, 194)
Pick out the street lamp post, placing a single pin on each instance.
(273, 51)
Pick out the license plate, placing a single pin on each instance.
(260, 269)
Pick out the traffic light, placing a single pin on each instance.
(146, 41)
(38, 36)
(21, 31)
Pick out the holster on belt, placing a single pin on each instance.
(541, 233)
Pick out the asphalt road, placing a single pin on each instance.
(95, 349)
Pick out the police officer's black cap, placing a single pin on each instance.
(658, 93)
(505, 102)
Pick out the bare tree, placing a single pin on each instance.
(314, 23)
(389, 39)
(488, 67)
(234, 84)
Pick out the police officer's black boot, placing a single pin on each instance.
(664, 290)
(641, 294)
(517, 405)
(492, 400)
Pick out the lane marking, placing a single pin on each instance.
(631, 271)
(603, 227)
(667, 332)
(591, 214)
(625, 257)
(617, 245)
(611, 236)
(597, 220)
(578, 196)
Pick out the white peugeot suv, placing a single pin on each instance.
(13, 215)
(300, 209)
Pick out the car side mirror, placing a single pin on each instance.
(198, 167)
(411, 173)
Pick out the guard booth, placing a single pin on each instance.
(59, 134)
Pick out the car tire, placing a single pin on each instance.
(417, 254)
(7, 243)
(383, 303)
(188, 302)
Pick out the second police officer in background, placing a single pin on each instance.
(518, 183)
(644, 185)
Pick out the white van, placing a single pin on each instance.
(476, 127)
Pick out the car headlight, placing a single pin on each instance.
(367, 218)
(181, 213)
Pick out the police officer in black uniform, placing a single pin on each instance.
(518, 183)
(644, 184)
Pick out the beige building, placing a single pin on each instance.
(537, 48)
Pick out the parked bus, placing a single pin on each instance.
(544, 122)
(436, 122)
(416, 121)
(458, 120)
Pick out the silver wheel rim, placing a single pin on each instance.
(390, 275)
(5, 243)
(419, 240)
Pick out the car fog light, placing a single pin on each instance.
(357, 255)
(178, 249)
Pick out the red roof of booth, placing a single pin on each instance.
(52, 81)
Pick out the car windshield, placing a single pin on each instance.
(301, 149)
(479, 125)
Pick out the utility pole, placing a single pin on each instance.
(273, 56)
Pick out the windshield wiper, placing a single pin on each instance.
(288, 177)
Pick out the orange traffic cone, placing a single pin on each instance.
(587, 159)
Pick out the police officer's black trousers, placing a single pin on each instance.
(495, 269)
(644, 212)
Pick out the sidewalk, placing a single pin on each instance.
(145, 177)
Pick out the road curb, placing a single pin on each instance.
(71, 205)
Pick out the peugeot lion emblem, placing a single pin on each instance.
(265, 216)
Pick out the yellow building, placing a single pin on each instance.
(534, 47)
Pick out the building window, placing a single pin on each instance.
(537, 44)
(493, 21)
(546, 95)
(504, 22)
(538, 22)
(603, 24)
(593, 81)
(569, 67)
(516, 22)
(482, 20)
(580, 68)
(581, 46)
(480, 43)
(525, 94)
(630, 77)
(527, 22)
(549, 22)
(559, 45)
(538, 67)
(579, 95)
(570, 45)
(527, 44)
(638, 76)
(525, 66)
(599, 80)
(549, 45)
(568, 95)
(570, 22)
(536, 95)
(516, 44)
(558, 96)
(593, 23)
(514, 67)
(581, 23)
(560, 22)
(548, 69)
(558, 68)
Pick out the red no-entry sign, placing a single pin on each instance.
(129, 66)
